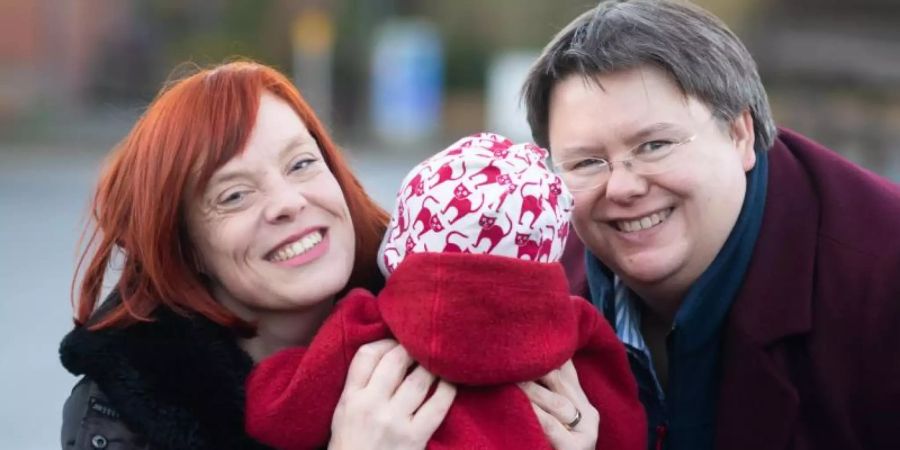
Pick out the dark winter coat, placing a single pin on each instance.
(176, 383)
(810, 356)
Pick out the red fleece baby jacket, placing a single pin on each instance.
(481, 322)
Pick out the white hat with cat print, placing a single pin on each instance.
(483, 194)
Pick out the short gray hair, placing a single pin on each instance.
(695, 48)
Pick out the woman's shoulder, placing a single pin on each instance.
(91, 422)
(167, 342)
(176, 380)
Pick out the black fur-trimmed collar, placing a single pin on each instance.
(177, 381)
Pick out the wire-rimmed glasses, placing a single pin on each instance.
(649, 158)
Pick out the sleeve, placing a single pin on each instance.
(606, 378)
(878, 412)
(292, 395)
(90, 422)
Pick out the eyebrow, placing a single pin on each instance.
(580, 150)
(297, 141)
(290, 144)
(649, 130)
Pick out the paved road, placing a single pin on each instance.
(43, 199)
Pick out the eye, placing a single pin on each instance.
(302, 164)
(233, 197)
(584, 164)
(654, 147)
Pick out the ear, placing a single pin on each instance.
(744, 138)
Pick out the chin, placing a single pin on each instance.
(335, 283)
(649, 269)
(302, 301)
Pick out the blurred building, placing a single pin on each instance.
(833, 72)
(48, 51)
(66, 58)
(832, 67)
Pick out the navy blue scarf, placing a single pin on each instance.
(694, 344)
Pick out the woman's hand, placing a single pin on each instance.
(567, 417)
(382, 407)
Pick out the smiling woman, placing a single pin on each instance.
(272, 228)
(200, 130)
(239, 224)
(658, 223)
(759, 269)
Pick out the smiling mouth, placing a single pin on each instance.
(643, 223)
(297, 248)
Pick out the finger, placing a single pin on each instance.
(390, 372)
(413, 390)
(569, 379)
(364, 362)
(552, 381)
(568, 376)
(556, 432)
(564, 381)
(430, 416)
(555, 404)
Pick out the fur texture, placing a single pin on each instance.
(178, 381)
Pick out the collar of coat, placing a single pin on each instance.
(178, 381)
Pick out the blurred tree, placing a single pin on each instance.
(161, 35)
(356, 24)
(210, 31)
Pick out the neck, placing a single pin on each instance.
(664, 297)
(657, 317)
(277, 330)
(661, 302)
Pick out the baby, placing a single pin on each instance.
(482, 195)
(475, 294)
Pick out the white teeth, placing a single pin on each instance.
(643, 223)
(298, 247)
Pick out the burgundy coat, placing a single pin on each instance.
(482, 322)
(811, 346)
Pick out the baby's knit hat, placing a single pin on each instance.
(485, 195)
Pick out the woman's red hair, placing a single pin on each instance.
(192, 128)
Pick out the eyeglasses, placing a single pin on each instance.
(650, 158)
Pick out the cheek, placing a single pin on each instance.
(590, 204)
(224, 242)
(331, 198)
(581, 211)
(711, 194)
(337, 204)
(583, 218)
(716, 184)
(349, 231)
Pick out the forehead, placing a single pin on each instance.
(276, 123)
(277, 134)
(277, 129)
(614, 105)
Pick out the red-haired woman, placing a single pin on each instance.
(237, 224)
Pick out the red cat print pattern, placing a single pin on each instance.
(482, 194)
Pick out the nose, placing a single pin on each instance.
(624, 185)
(285, 201)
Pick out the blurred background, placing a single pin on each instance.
(394, 80)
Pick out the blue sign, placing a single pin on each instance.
(407, 81)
